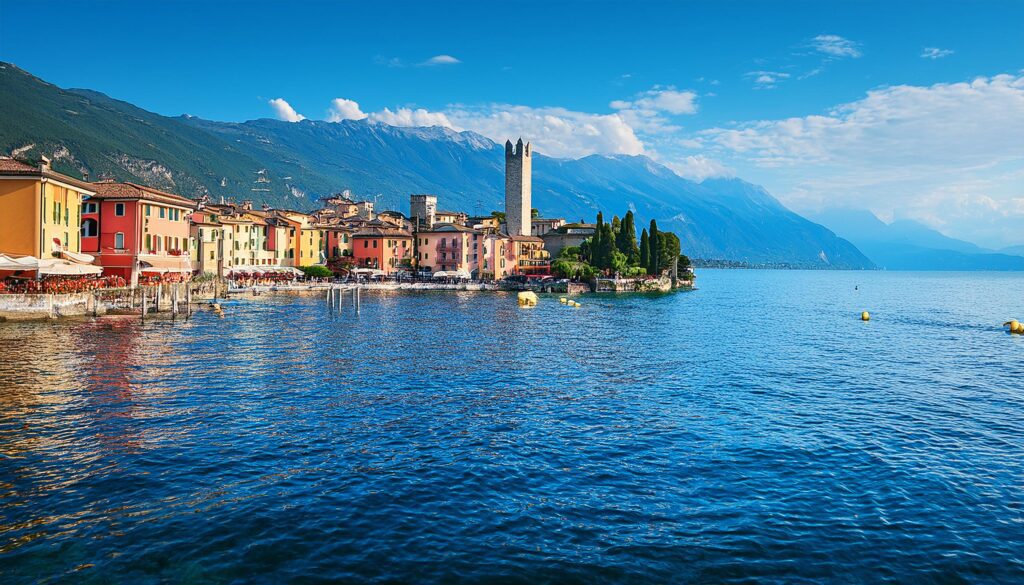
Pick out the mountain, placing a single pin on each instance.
(909, 245)
(86, 132)
(1013, 250)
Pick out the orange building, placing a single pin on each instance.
(40, 210)
(133, 229)
(383, 247)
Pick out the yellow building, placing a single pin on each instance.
(40, 210)
(308, 238)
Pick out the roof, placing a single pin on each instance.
(525, 239)
(449, 227)
(440, 212)
(112, 190)
(381, 232)
(15, 168)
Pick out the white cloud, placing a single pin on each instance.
(554, 131)
(411, 117)
(343, 109)
(901, 149)
(647, 110)
(767, 79)
(285, 111)
(699, 168)
(668, 100)
(836, 46)
(442, 60)
(935, 53)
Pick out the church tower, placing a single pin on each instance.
(518, 188)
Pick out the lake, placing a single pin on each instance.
(754, 429)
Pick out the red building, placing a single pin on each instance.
(137, 230)
(382, 246)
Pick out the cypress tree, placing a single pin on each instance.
(595, 245)
(645, 250)
(655, 251)
(626, 239)
(616, 225)
(607, 246)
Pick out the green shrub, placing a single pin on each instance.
(317, 271)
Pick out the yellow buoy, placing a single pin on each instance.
(1015, 326)
(577, 305)
(563, 300)
(527, 299)
(865, 316)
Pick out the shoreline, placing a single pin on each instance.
(173, 304)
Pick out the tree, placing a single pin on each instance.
(534, 212)
(616, 226)
(645, 250)
(607, 248)
(500, 215)
(654, 268)
(317, 271)
(625, 241)
(595, 245)
(669, 249)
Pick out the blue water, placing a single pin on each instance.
(754, 429)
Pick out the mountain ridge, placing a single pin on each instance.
(94, 133)
(909, 245)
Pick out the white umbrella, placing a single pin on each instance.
(57, 267)
(22, 263)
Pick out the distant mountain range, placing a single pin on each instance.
(908, 245)
(86, 132)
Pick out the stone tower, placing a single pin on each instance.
(518, 187)
(422, 208)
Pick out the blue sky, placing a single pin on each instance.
(909, 109)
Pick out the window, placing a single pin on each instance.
(89, 228)
(163, 212)
(211, 254)
(366, 243)
(375, 243)
(119, 238)
(119, 211)
(149, 242)
(89, 207)
(149, 208)
(177, 214)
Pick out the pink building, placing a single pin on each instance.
(136, 230)
(450, 248)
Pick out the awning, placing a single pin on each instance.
(56, 267)
(452, 274)
(77, 257)
(163, 264)
(21, 263)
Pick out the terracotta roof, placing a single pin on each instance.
(448, 228)
(377, 232)
(112, 190)
(9, 165)
(525, 239)
(15, 168)
(440, 212)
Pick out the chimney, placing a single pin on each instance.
(44, 163)
(247, 205)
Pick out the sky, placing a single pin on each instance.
(913, 110)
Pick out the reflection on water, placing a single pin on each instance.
(752, 429)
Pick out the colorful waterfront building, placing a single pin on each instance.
(382, 246)
(306, 239)
(450, 248)
(207, 242)
(40, 209)
(137, 230)
(531, 257)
